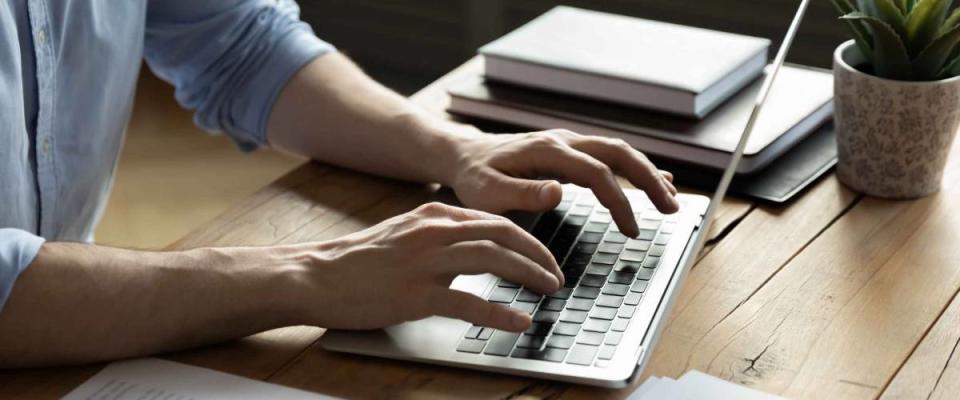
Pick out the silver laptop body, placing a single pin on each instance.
(603, 328)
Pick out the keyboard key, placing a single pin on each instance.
(552, 355)
(571, 275)
(563, 293)
(606, 300)
(578, 260)
(573, 316)
(639, 286)
(583, 210)
(599, 269)
(662, 239)
(638, 245)
(606, 352)
(553, 304)
(528, 308)
(580, 304)
(632, 298)
(650, 224)
(582, 354)
(612, 248)
(471, 346)
(603, 258)
(586, 292)
(596, 325)
(657, 250)
(620, 324)
(602, 363)
(591, 237)
(593, 281)
(546, 316)
(503, 295)
(621, 277)
(627, 311)
(539, 329)
(604, 313)
(560, 342)
(628, 266)
(531, 342)
(651, 262)
(596, 227)
(486, 333)
(613, 338)
(575, 221)
(604, 218)
(616, 289)
(585, 248)
(473, 332)
(615, 237)
(632, 255)
(566, 329)
(645, 274)
(529, 297)
(647, 235)
(506, 284)
(591, 338)
(501, 343)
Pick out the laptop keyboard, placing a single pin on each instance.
(606, 276)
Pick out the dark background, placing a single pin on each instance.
(407, 44)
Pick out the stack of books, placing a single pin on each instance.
(674, 92)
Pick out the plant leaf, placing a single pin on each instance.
(902, 5)
(931, 60)
(951, 70)
(951, 21)
(889, 13)
(861, 34)
(924, 22)
(890, 59)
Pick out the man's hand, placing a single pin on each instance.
(497, 173)
(401, 270)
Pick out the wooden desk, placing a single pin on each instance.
(835, 296)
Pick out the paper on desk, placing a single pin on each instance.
(155, 379)
(696, 385)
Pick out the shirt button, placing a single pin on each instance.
(41, 36)
(46, 146)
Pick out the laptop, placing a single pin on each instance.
(602, 327)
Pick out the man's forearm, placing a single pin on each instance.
(79, 303)
(332, 112)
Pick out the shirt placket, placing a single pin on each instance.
(45, 130)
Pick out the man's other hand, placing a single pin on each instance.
(401, 270)
(498, 173)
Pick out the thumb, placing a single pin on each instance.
(509, 193)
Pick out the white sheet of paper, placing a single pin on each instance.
(647, 386)
(698, 385)
(155, 379)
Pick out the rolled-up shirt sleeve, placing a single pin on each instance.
(17, 250)
(229, 59)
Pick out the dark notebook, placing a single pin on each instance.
(801, 101)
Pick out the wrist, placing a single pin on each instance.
(452, 151)
(270, 280)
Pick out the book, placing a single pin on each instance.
(643, 63)
(801, 100)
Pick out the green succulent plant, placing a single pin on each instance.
(909, 40)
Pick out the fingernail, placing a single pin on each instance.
(520, 321)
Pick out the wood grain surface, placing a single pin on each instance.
(834, 296)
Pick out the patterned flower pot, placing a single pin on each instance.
(893, 137)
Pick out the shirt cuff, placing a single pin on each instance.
(292, 53)
(17, 250)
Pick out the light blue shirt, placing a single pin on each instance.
(68, 71)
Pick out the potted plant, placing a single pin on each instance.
(897, 95)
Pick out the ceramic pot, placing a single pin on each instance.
(893, 137)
